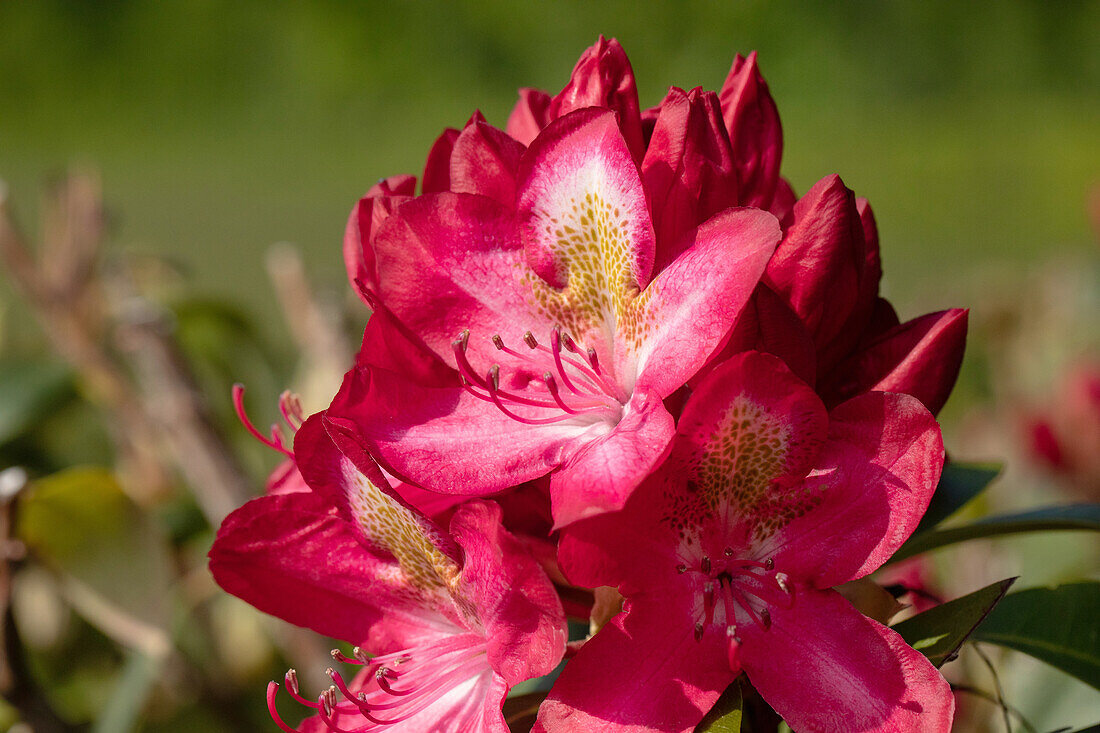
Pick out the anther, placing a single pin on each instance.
(681, 568)
(731, 632)
(494, 376)
(498, 341)
(728, 552)
(568, 342)
(766, 618)
(463, 340)
(593, 360)
(530, 340)
(698, 631)
(291, 678)
(769, 564)
(781, 580)
(705, 565)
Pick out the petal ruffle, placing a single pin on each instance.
(825, 667)
(516, 602)
(484, 161)
(643, 672)
(872, 483)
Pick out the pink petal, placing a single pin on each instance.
(445, 439)
(603, 78)
(285, 479)
(921, 357)
(484, 161)
(819, 265)
(452, 262)
(643, 672)
(752, 120)
(690, 307)
(688, 169)
(516, 602)
(823, 666)
(529, 116)
(292, 557)
(437, 169)
(582, 211)
(768, 324)
(387, 344)
(365, 218)
(782, 204)
(600, 476)
(871, 485)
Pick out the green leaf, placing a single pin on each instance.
(939, 632)
(81, 524)
(1070, 517)
(959, 483)
(725, 716)
(1055, 625)
(27, 392)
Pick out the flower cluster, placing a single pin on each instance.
(674, 378)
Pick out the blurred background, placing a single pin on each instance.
(213, 130)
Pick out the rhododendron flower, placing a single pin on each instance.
(445, 622)
(727, 557)
(559, 336)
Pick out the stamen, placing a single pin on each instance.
(705, 565)
(276, 441)
(272, 692)
(698, 631)
(530, 340)
(555, 346)
(728, 552)
(552, 387)
(766, 617)
(681, 568)
(769, 564)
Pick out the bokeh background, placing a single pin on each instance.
(220, 128)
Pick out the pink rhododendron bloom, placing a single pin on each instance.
(1065, 435)
(445, 622)
(728, 554)
(535, 289)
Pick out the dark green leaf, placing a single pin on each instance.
(725, 716)
(959, 484)
(1073, 516)
(1055, 625)
(27, 392)
(939, 632)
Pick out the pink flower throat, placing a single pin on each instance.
(396, 687)
(570, 386)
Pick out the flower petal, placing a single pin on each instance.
(529, 116)
(335, 466)
(293, 557)
(823, 666)
(601, 475)
(437, 168)
(820, 268)
(452, 262)
(444, 438)
(367, 215)
(921, 357)
(689, 309)
(516, 602)
(688, 169)
(752, 120)
(642, 672)
(484, 161)
(583, 213)
(872, 483)
(603, 78)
